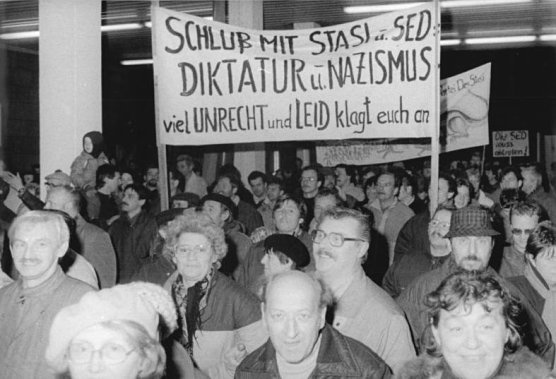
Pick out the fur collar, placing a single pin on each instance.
(521, 364)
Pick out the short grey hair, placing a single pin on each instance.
(41, 217)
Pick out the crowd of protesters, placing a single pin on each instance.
(306, 272)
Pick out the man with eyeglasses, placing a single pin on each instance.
(471, 237)
(524, 218)
(28, 306)
(363, 310)
(410, 266)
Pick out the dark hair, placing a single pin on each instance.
(460, 182)
(465, 289)
(452, 187)
(395, 175)
(331, 192)
(140, 189)
(320, 176)
(301, 205)
(256, 175)
(370, 182)
(410, 180)
(350, 171)
(186, 158)
(275, 180)
(105, 171)
(529, 208)
(511, 196)
(543, 237)
(234, 180)
(506, 170)
(539, 171)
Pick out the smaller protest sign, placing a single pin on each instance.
(510, 143)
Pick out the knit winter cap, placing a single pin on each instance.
(98, 142)
(289, 245)
(140, 302)
(58, 178)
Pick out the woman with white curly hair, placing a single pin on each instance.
(113, 333)
(219, 322)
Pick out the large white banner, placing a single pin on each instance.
(464, 124)
(217, 83)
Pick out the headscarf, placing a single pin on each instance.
(98, 142)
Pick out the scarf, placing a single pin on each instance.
(549, 295)
(191, 303)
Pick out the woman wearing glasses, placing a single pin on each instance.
(218, 321)
(113, 333)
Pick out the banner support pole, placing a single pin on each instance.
(161, 148)
(435, 143)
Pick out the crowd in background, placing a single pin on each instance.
(308, 271)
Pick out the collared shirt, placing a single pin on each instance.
(365, 312)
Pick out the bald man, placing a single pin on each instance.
(301, 344)
(95, 243)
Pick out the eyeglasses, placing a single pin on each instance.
(307, 179)
(110, 353)
(443, 225)
(518, 232)
(196, 249)
(335, 239)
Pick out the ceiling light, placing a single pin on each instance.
(136, 62)
(450, 42)
(20, 35)
(547, 37)
(495, 40)
(379, 8)
(477, 3)
(114, 27)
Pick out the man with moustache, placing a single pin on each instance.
(471, 237)
(133, 232)
(151, 184)
(301, 344)
(363, 310)
(28, 305)
(410, 266)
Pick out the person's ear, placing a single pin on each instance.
(263, 317)
(63, 249)
(322, 320)
(363, 249)
(436, 335)
(451, 195)
(142, 202)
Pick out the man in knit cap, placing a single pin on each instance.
(28, 306)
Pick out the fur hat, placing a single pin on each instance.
(140, 302)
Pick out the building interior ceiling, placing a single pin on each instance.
(483, 18)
